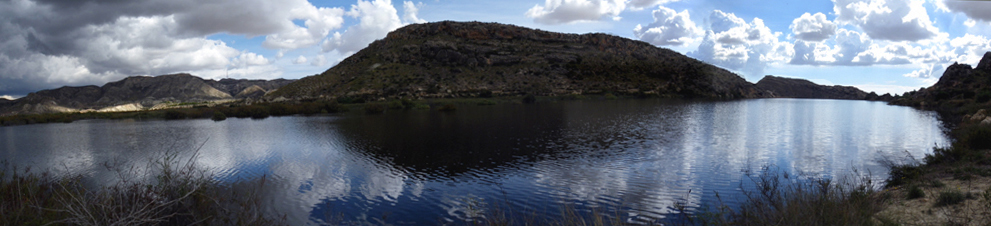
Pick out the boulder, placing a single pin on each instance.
(980, 115)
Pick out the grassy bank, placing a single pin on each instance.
(177, 194)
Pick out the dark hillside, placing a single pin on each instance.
(466, 59)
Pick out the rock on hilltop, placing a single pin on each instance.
(801, 88)
(465, 59)
(137, 93)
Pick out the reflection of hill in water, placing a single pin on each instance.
(460, 141)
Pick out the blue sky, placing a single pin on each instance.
(884, 46)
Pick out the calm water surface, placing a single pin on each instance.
(634, 157)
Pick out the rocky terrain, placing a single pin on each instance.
(962, 89)
(801, 88)
(139, 93)
(470, 59)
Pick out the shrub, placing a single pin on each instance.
(218, 116)
(374, 108)
(950, 197)
(915, 192)
(610, 96)
(901, 174)
(978, 138)
(776, 199)
(257, 112)
(983, 97)
(396, 104)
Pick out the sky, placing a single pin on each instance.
(885, 46)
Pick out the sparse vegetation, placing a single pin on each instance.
(178, 194)
(915, 192)
(950, 197)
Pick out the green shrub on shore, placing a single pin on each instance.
(218, 116)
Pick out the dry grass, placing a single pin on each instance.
(179, 194)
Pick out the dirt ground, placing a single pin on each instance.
(974, 210)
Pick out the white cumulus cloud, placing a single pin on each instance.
(377, 18)
(669, 28)
(410, 12)
(735, 44)
(894, 20)
(318, 24)
(299, 60)
(812, 27)
(568, 11)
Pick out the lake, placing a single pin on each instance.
(636, 158)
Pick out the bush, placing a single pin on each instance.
(950, 197)
(978, 138)
(396, 104)
(257, 112)
(374, 108)
(776, 199)
(983, 97)
(218, 116)
(610, 96)
(915, 192)
(901, 174)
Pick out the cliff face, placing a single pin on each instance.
(801, 88)
(464, 59)
(137, 92)
(961, 85)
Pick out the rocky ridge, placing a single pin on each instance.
(472, 59)
(139, 93)
(801, 88)
(961, 86)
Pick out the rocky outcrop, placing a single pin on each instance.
(138, 93)
(961, 86)
(465, 59)
(801, 88)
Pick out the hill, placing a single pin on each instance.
(962, 89)
(138, 93)
(801, 88)
(469, 59)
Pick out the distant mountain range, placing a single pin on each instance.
(469, 59)
(139, 93)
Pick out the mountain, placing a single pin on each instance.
(467, 59)
(801, 88)
(961, 88)
(138, 93)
